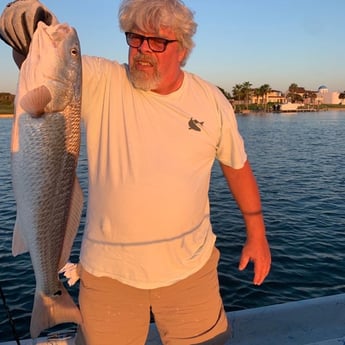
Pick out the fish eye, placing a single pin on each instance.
(74, 51)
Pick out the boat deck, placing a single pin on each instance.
(317, 321)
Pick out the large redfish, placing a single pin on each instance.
(45, 150)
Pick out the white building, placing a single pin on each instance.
(324, 96)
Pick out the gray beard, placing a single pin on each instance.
(141, 81)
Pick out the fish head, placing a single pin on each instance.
(50, 77)
(54, 61)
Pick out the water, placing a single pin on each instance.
(299, 164)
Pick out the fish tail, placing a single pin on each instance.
(49, 311)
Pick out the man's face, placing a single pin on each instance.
(157, 71)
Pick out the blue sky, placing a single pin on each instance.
(275, 42)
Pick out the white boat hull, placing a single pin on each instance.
(317, 321)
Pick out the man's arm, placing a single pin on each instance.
(244, 189)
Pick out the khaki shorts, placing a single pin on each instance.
(188, 312)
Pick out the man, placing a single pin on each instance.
(153, 132)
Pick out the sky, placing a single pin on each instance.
(275, 42)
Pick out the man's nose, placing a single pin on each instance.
(144, 47)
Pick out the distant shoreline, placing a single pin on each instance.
(4, 116)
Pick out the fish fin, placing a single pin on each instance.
(72, 223)
(34, 101)
(19, 245)
(49, 311)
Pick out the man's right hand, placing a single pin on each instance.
(19, 21)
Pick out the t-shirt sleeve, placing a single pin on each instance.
(95, 82)
(230, 149)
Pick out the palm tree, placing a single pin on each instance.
(237, 92)
(257, 94)
(246, 89)
(342, 96)
(264, 90)
(225, 93)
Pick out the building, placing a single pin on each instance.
(275, 96)
(272, 96)
(324, 96)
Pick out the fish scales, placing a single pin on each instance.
(48, 192)
(45, 150)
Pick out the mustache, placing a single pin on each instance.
(145, 58)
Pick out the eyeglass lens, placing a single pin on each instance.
(156, 44)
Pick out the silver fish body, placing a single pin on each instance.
(45, 149)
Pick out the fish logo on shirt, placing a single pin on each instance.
(195, 124)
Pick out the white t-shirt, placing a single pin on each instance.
(150, 158)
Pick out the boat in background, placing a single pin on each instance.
(289, 107)
(316, 321)
(296, 108)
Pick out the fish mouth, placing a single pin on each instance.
(59, 32)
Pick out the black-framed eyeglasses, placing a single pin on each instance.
(156, 44)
